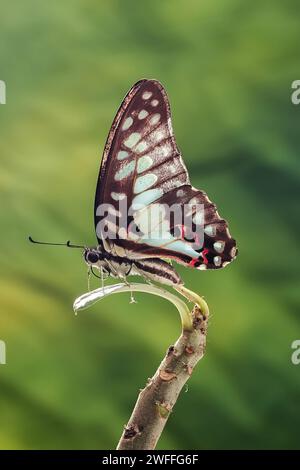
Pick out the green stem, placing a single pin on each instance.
(88, 299)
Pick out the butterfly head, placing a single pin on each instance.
(92, 256)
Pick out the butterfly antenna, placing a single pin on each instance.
(68, 243)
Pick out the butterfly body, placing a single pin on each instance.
(151, 269)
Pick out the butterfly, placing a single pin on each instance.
(142, 175)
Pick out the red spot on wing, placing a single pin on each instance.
(193, 262)
(204, 253)
(197, 260)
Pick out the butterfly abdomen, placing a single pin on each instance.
(157, 270)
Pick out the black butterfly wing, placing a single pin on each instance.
(142, 165)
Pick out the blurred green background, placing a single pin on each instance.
(71, 382)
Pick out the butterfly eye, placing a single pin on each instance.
(92, 257)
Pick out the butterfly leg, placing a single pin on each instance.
(102, 279)
(132, 299)
(89, 278)
(122, 275)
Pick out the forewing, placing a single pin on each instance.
(141, 160)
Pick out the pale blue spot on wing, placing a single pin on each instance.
(122, 154)
(147, 197)
(177, 245)
(144, 163)
(143, 114)
(125, 171)
(141, 147)
(219, 246)
(127, 123)
(217, 260)
(144, 182)
(132, 139)
(210, 230)
(182, 247)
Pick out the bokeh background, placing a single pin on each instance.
(71, 382)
